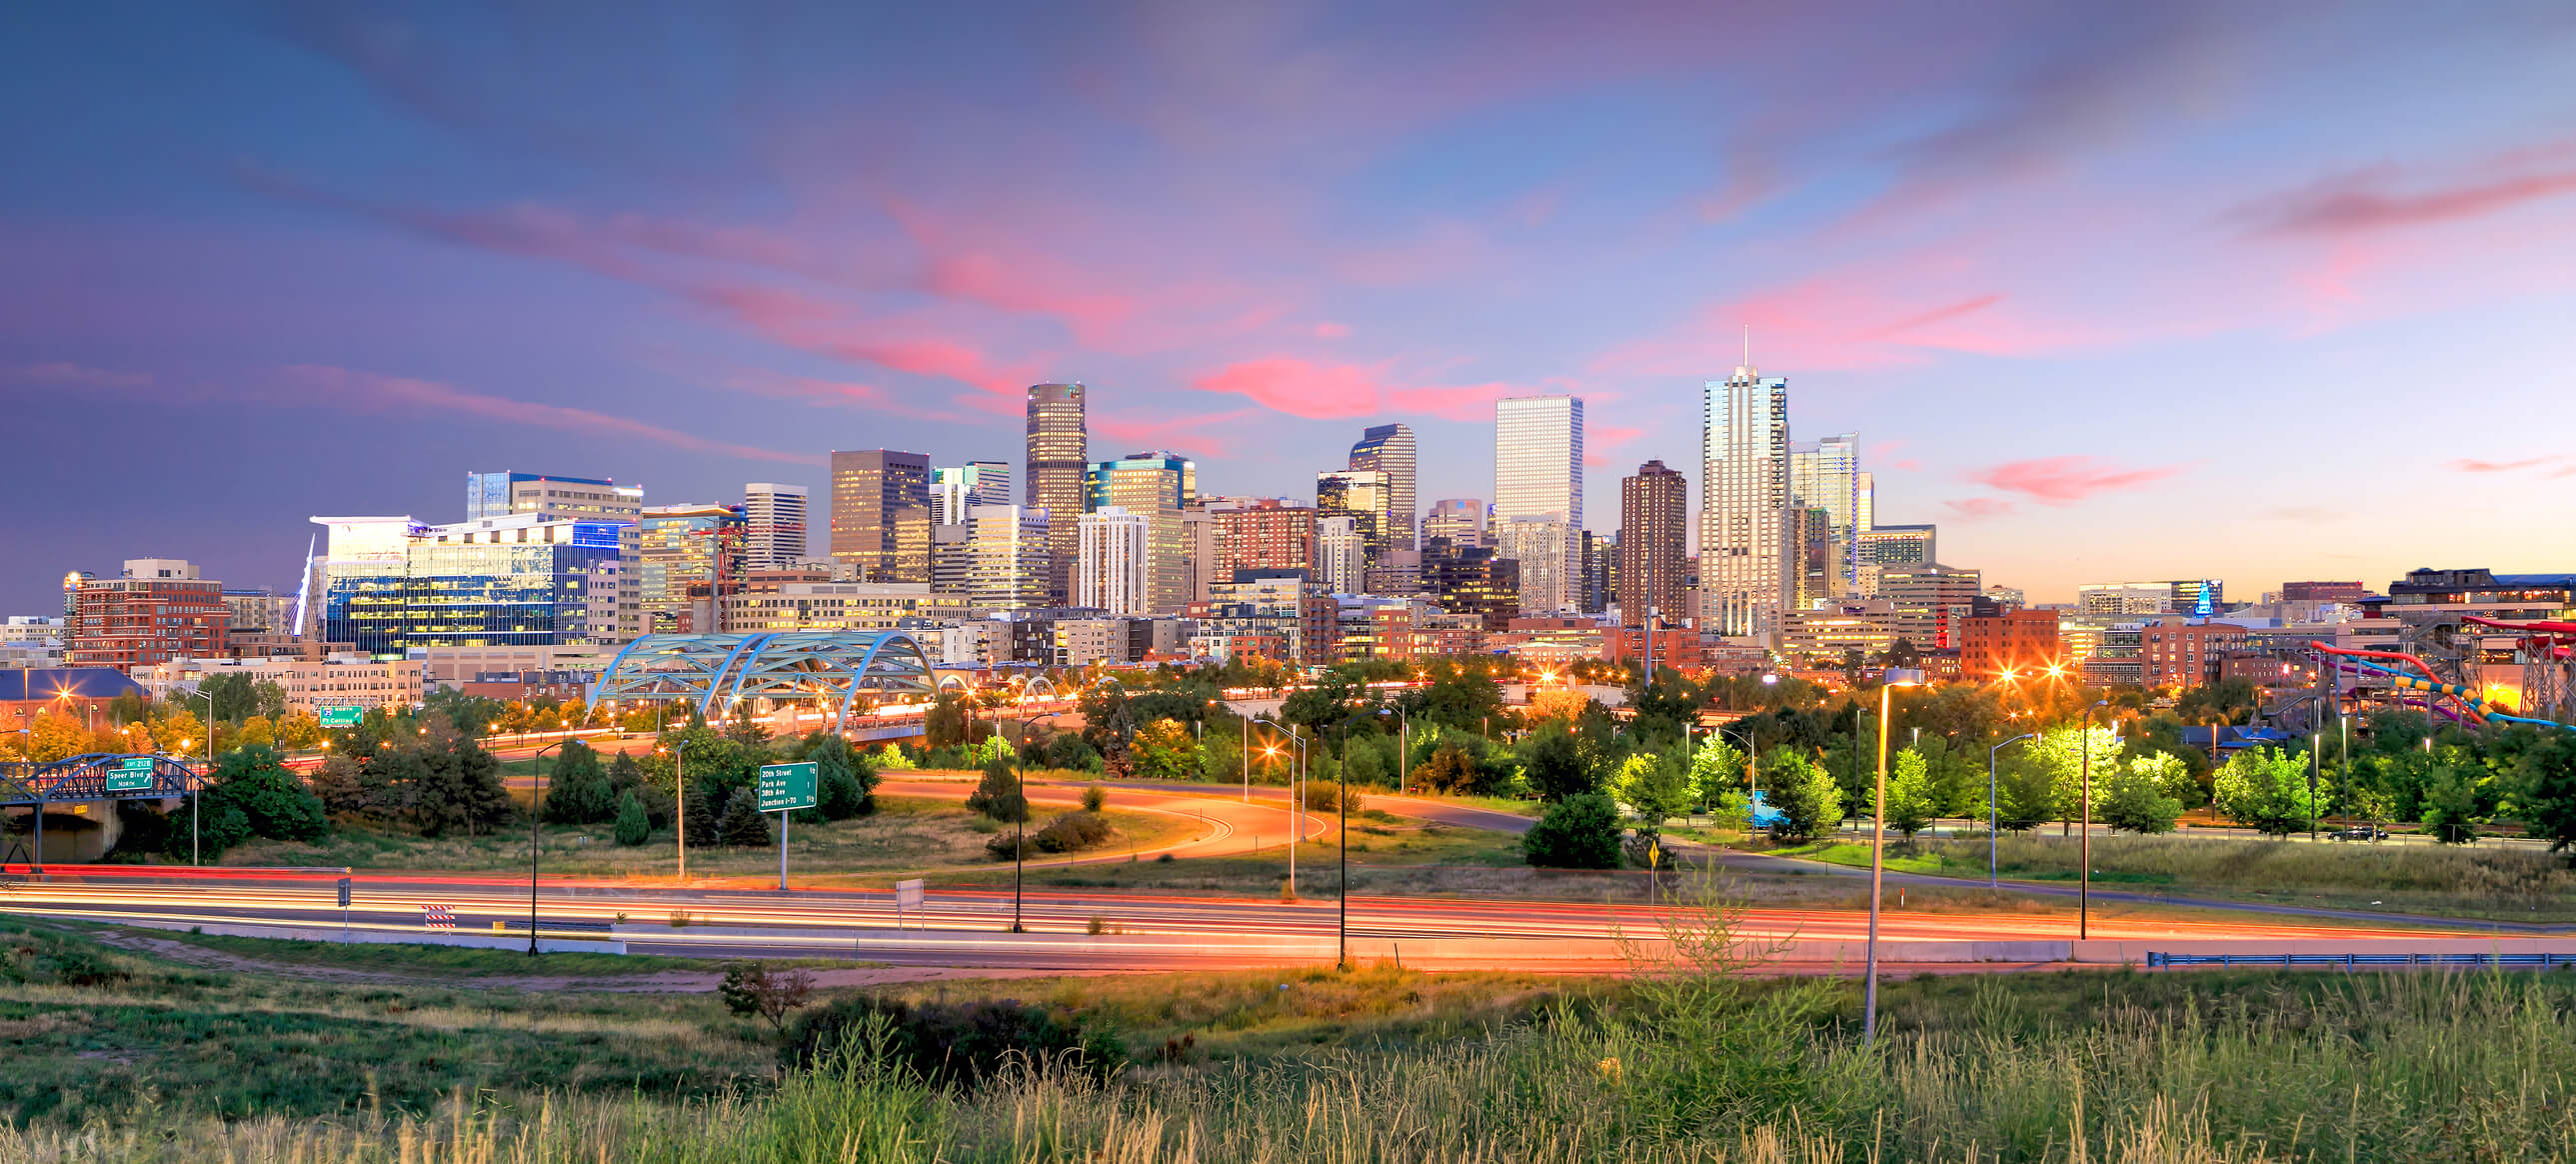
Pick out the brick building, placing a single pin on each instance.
(2018, 642)
(2177, 652)
(157, 611)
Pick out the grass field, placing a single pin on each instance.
(906, 836)
(123, 1056)
(2492, 882)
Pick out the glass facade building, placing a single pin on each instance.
(1744, 493)
(1058, 460)
(1827, 476)
(390, 584)
(680, 547)
(1388, 449)
(1156, 486)
(1538, 474)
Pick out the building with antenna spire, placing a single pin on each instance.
(1744, 569)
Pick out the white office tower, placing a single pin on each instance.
(1538, 473)
(1550, 562)
(1110, 567)
(1008, 563)
(1744, 487)
(958, 489)
(1341, 555)
(1826, 475)
(773, 525)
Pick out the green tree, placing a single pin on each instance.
(1910, 804)
(634, 827)
(998, 794)
(1164, 750)
(2451, 804)
(1809, 800)
(273, 801)
(944, 725)
(1716, 766)
(1656, 788)
(2137, 799)
(1580, 831)
(577, 790)
(742, 825)
(2025, 794)
(845, 785)
(1553, 761)
(2546, 773)
(2064, 751)
(2265, 790)
(454, 786)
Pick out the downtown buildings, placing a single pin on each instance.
(1538, 497)
(1744, 560)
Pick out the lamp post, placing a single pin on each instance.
(29, 746)
(536, 805)
(2084, 847)
(1994, 826)
(1889, 681)
(1296, 807)
(196, 797)
(680, 792)
(1020, 837)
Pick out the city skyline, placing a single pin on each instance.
(323, 261)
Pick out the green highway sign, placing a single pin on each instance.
(341, 716)
(786, 786)
(131, 774)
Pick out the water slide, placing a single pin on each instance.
(2471, 702)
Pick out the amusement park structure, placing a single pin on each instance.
(2438, 660)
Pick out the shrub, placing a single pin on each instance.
(272, 800)
(633, 826)
(845, 783)
(141, 827)
(1578, 832)
(1071, 832)
(962, 1043)
(998, 795)
(1553, 761)
(1325, 796)
(1094, 797)
(753, 989)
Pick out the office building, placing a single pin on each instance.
(2178, 651)
(390, 584)
(1388, 449)
(1744, 490)
(1654, 533)
(1932, 602)
(775, 517)
(956, 489)
(881, 515)
(1114, 549)
(842, 606)
(1395, 572)
(1155, 486)
(1059, 466)
(1824, 635)
(1362, 495)
(1341, 553)
(2323, 592)
(2139, 598)
(1271, 534)
(1459, 519)
(1886, 546)
(30, 641)
(681, 548)
(1473, 580)
(157, 610)
(1826, 475)
(1008, 558)
(556, 498)
(2009, 644)
(1538, 481)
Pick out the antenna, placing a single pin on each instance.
(1748, 345)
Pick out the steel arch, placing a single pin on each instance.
(706, 669)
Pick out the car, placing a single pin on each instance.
(2359, 833)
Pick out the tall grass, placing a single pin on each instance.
(2493, 872)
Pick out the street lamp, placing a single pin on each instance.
(1296, 806)
(197, 797)
(680, 795)
(28, 745)
(1020, 842)
(1888, 682)
(536, 813)
(1994, 827)
(2084, 847)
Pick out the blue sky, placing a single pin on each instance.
(2253, 292)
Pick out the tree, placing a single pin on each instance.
(845, 785)
(470, 715)
(1717, 766)
(752, 988)
(1656, 788)
(1448, 770)
(998, 795)
(298, 730)
(1580, 831)
(179, 733)
(1163, 750)
(1808, 799)
(57, 735)
(2025, 794)
(2547, 775)
(577, 790)
(2451, 805)
(634, 827)
(256, 733)
(944, 725)
(2137, 798)
(742, 824)
(1910, 806)
(454, 785)
(2068, 757)
(273, 801)
(1553, 761)
(2265, 790)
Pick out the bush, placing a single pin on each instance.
(1093, 797)
(1070, 832)
(1553, 761)
(963, 1043)
(1578, 832)
(222, 827)
(634, 827)
(141, 827)
(845, 783)
(1325, 796)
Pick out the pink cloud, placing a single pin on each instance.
(79, 375)
(370, 391)
(1599, 441)
(1977, 508)
(1212, 434)
(2470, 465)
(2382, 199)
(1319, 391)
(836, 393)
(1331, 330)
(2066, 480)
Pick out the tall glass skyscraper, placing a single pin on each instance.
(881, 514)
(1388, 449)
(1826, 475)
(1059, 458)
(1744, 487)
(1538, 474)
(1156, 486)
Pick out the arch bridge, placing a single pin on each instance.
(716, 671)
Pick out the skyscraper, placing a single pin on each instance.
(881, 514)
(1360, 494)
(1156, 486)
(1006, 558)
(1826, 475)
(684, 546)
(1459, 519)
(1744, 487)
(1110, 569)
(1538, 475)
(1059, 458)
(1654, 533)
(956, 489)
(1268, 534)
(1341, 554)
(774, 521)
(1388, 449)
(555, 498)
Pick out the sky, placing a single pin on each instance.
(2154, 290)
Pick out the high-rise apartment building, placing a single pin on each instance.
(1815, 556)
(1270, 534)
(1654, 533)
(1600, 573)
(1362, 495)
(1388, 449)
(1473, 580)
(775, 517)
(561, 498)
(1113, 552)
(956, 489)
(681, 547)
(1744, 488)
(1826, 475)
(1341, 554)
(881, 515)
(1538, 479)
(156, 611)
(1459, 519)
(1059, 465)
(1155, 486)
(1007, 558)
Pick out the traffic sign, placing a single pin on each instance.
(131, 774)
(334, 717)
(786, 786)
(344, 893)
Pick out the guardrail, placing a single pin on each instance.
(2157, 960)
